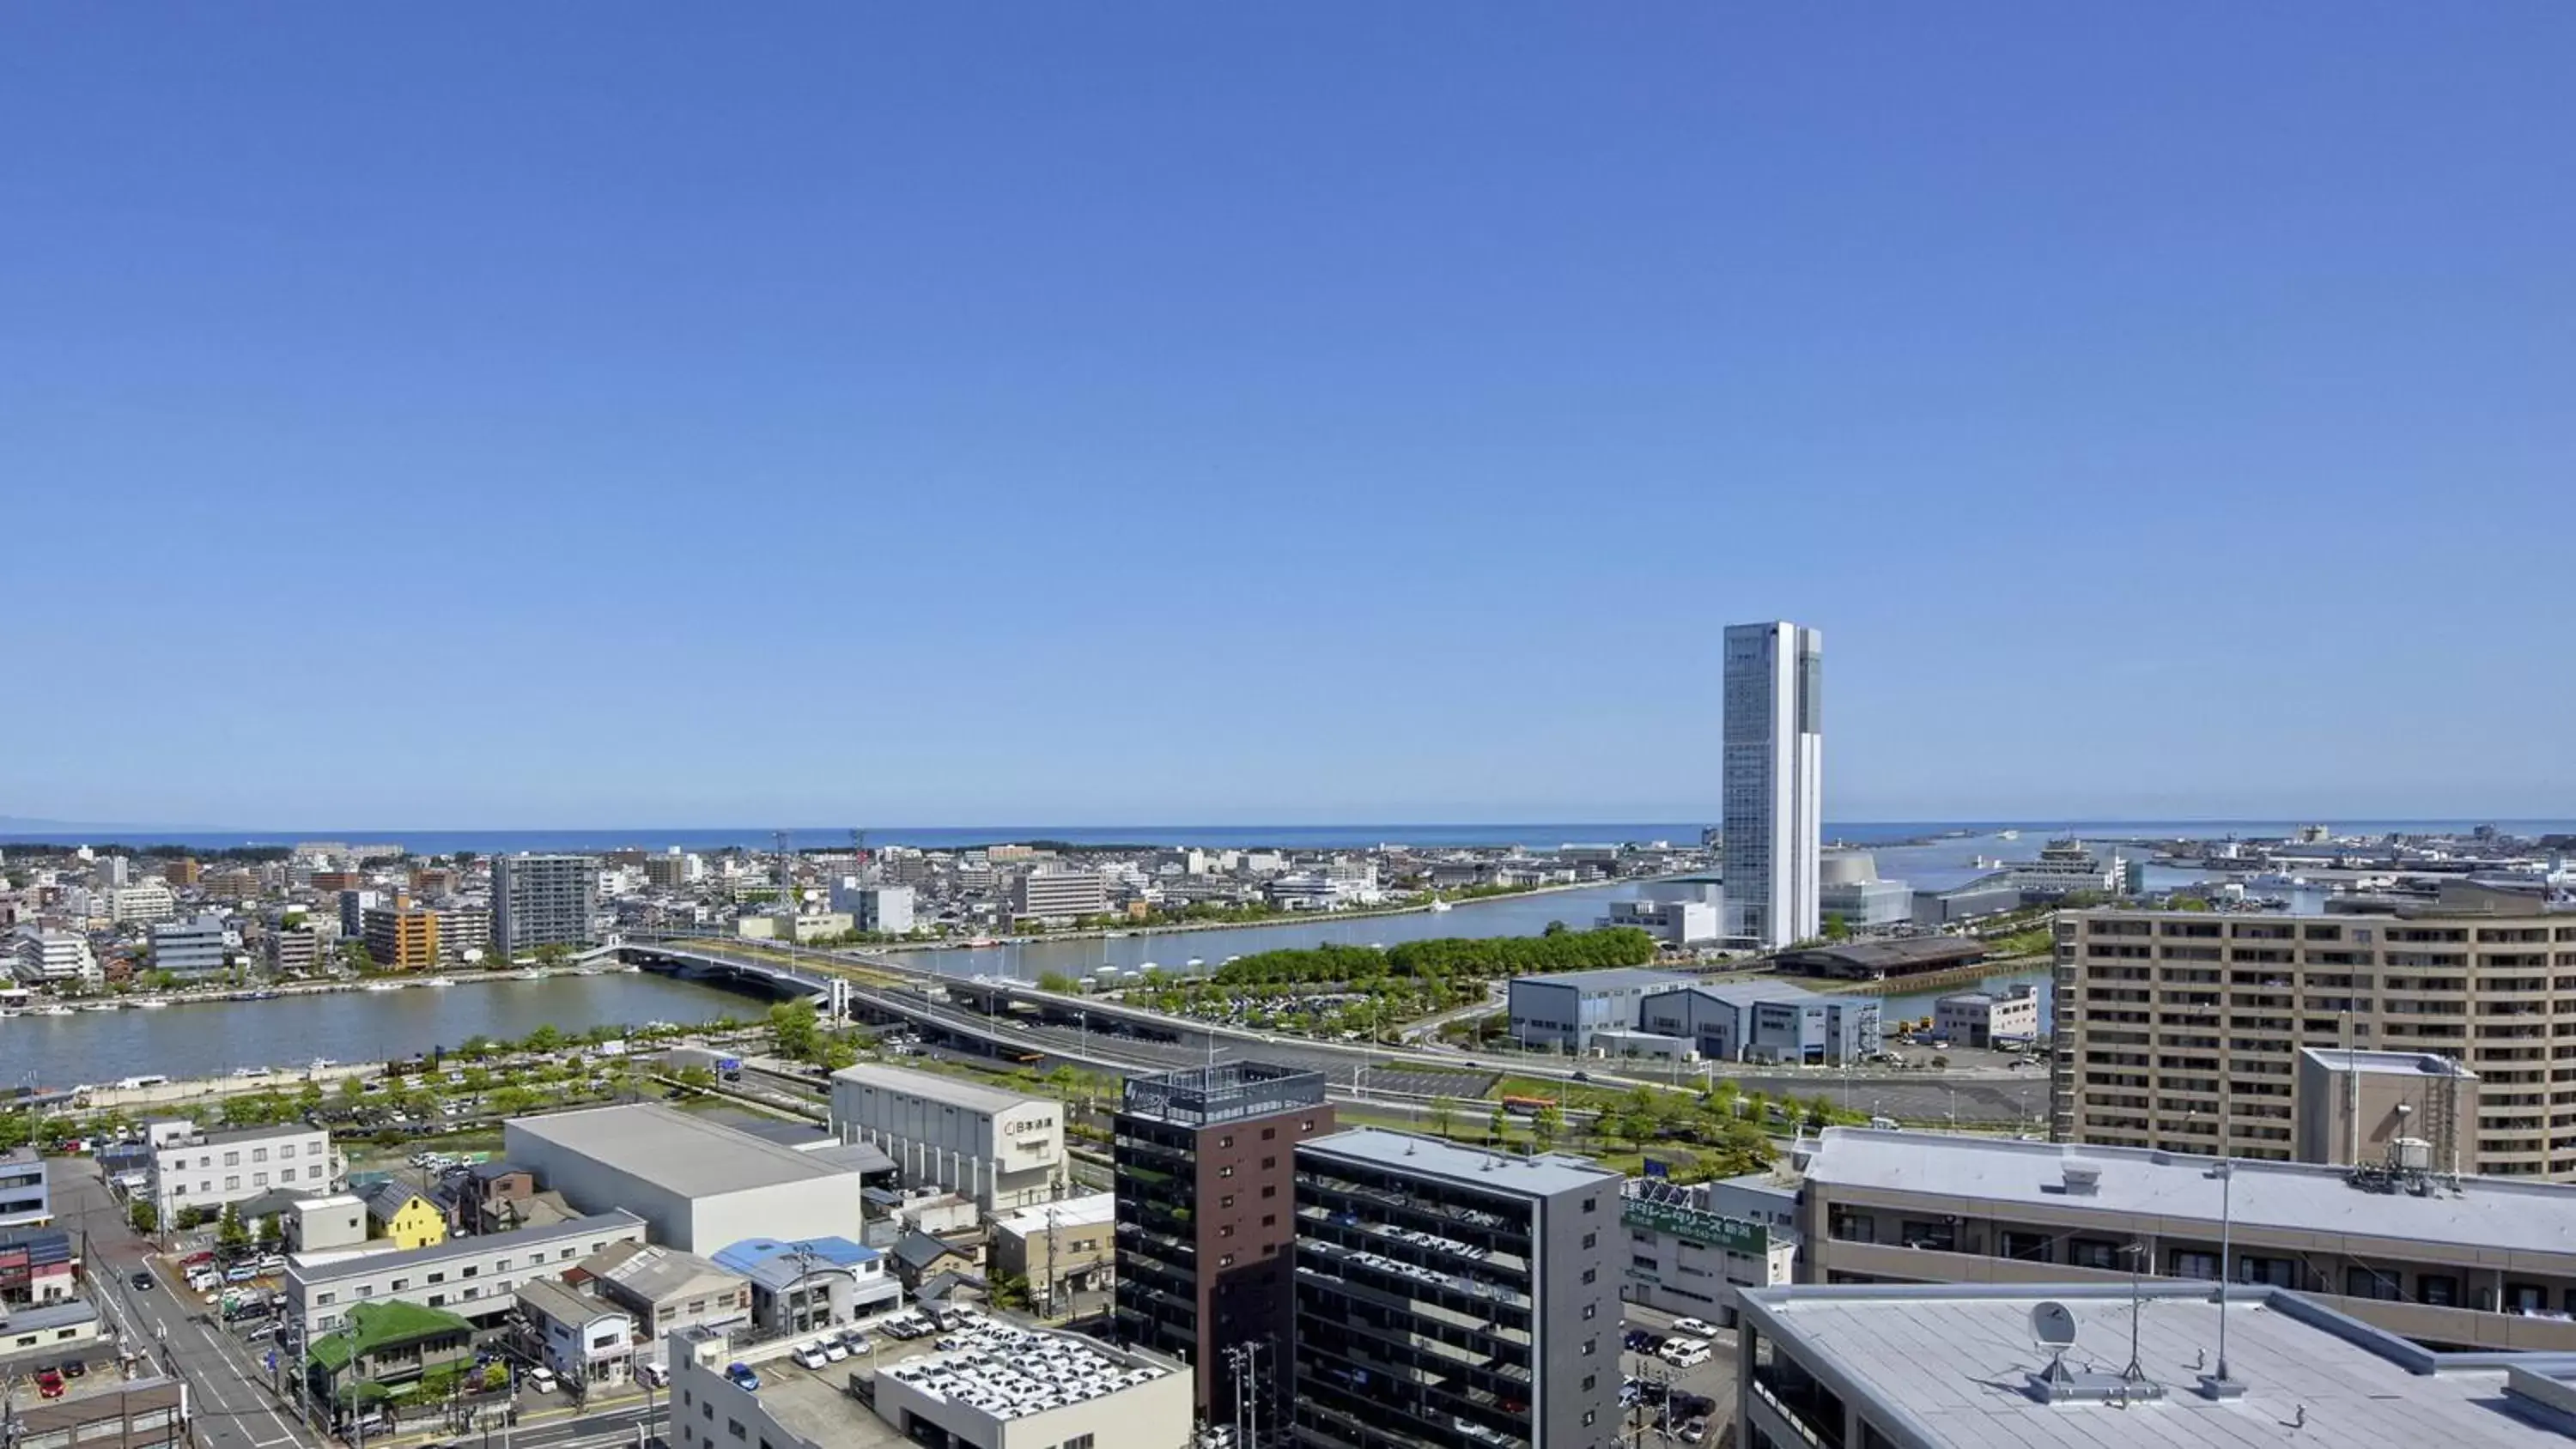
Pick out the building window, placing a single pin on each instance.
(1226, 1141)
(1937, 1237)
(1591, 1346)
(1308, 1125)
(2360, 1282)
(1592, 1204)
(2187, 1264)
(1078, 1441)
(1591, 1273)
(2438, 1289)
(1269, 1132)
(1591, 1240)
(1226, 1171)
(1845, 1226)
(1270, 1190)
(2027, 1247)
(2099, 1253)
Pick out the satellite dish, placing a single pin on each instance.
(2052, 1325)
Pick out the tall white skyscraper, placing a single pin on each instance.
(1775, 786)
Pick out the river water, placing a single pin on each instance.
(199, 1041)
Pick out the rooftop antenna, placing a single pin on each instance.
(2052, 1327)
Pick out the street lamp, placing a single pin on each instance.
(2219, 1385)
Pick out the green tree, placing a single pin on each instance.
(837, 1052)
(1820, 1114)
(1548, 1125)
(476, 1047)
(1499, 1125)
(478, 1080)
(793, 1032)
(545, 1039)
(353, 1093)
(231, 1234)
(1444, 1114)
(1058, 982)
(360, 961)
(144, 1216)
(514, 1101)
(308, 1099)
(1837, 926)
(1554, 928)
(272, 1236)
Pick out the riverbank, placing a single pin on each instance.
(1917, 984)
(381, 982)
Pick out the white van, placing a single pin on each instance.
(1684, 1353)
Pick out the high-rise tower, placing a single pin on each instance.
(1774, 805)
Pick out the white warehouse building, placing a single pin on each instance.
(1001, 1149)
(698, 1185)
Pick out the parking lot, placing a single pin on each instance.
(1661, 1384)
(1465, 1086)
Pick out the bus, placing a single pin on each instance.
(1022, 1056)
(1530, 1105)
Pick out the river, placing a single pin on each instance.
(209, 1040)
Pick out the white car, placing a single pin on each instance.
(835, 1350)
(1694, 1328)
(807, 1356)
(542, 1380)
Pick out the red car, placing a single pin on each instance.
(50, 1383)
(193, 1259)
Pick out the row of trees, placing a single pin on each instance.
(1447, 958)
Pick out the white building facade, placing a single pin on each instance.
(204, 1171)
(1001, 1149)
(1774, 783)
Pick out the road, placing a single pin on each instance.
(228, 1387)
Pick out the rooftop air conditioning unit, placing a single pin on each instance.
(2411, 1154)
(2083, 1179)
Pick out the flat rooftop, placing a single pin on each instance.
(679, 1152)
(2392, 1064)
(817, 1405)
(934, 1086)
(1542, 1176)
(1612, 978)
(1071, 1212)
(1743, 994)
(1949, 1365)
(1231, 1092)
(2493, 1212)
(335, 1264)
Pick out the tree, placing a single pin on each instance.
(1837, 926)
(793, 1032)
(1499, 1125)
(353, 1093)
(1820, 1114)
(145, 1217)
(1058, 982)
(308, 1098)
(476, 1047)
(231, 1233)
(1554, 928)
(1444, 1114)
(272, 1236)
(546, 1038)
(478, 1080)
(358, 958)
(1548, 1125)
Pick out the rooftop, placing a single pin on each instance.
(1949, 1365)
(773, 1260)
(2494, 1212)
(1072, 1212)
(1232, 1092)
(2394, 1064)
(1609, 979)
(382, 1323)
(313, 1270)
(1759, 993)
(938, 1088)
(1014, 1373)
(1541, 1176)
(562, 1302)
(673, 1150)
(654, 1272)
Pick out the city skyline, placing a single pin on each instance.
(1204, 415)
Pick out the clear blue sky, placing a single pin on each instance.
(588, 414)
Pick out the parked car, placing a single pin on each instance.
(1695, 1327)
(241, 1272)
(540, 1379)
(834, 1350)
(653, 1374)
(742, 1377)
(1684, 1352)
(809, 1356)
(76, 1369)
(49, 1383)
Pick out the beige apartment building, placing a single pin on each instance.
(2183, 1029)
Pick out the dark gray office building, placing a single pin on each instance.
(1453, 1298)
(542, 900)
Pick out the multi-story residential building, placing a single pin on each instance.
(111, 872)
(1206, 1217)
(669, 1290)
(1058, 893)
(189, 948)
(1058, 1248)
(1469, 1297)
(233, 883)
(402, 936)
(180, 874)
(2182, 1029)
(883, 909)
(37, 1266)
(1002, 1149)
(56, 958)
(25, 1199)
(542, 900)
(331, 881)
(294, 951)
(429, 882)
(2479, 1262)
(462, 929)
(205, 1170)
(475, 1277)
(1774, 783)
(148, 901)
(354, 905)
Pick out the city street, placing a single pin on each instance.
(228, 1385)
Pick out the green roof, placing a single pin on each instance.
(381, 1325)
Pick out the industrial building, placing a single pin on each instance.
(698, 1184)
(1764, 1021)
(2182, 1029)
(1880, 960)
(1206, 1225)
(1470, 1297)
(1686, 1256)
(2089, 1365)
(190, 948)
(2469, 1261)
(1565, 1009)
(542, 900)
(1988, 1019)
(1001, 1149)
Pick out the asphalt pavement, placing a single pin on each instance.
(228, 1382)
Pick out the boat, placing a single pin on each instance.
(98, 1006)
(2007, 835)
(529, 974)
(385, 985)
(2276, 881)
(980, 942)
(438, 981)
(1438, 904)
(1195, 961)
(53, 1011)
(155, 1004)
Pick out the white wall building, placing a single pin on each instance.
(1059, 894)
(475, 1277)
(205, 1170)
(884, 909)
(189, 948)
(1774, 783)
(1675, 923)
(700, 1185)
(150, 901)
(999, 1148)
(61, 958)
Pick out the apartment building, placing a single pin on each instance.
(1206, 1227)
(149, 901)
(2182, 1029)
(542, 900)
(402, 936)
(474, 1277)
(294, 952)
(189, 948)
(205, 1170)
(462, 929)
(26, 1199)
(2473, 1262)
(59, 958)
(1469, 1297)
